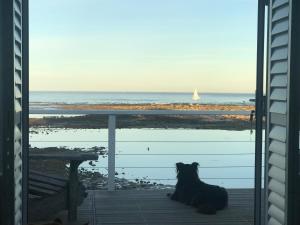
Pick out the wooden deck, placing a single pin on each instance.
(133, 207)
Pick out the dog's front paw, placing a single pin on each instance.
(172, 196)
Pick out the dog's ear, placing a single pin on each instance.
(179, 166)
(195, 165)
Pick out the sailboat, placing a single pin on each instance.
(195, 95)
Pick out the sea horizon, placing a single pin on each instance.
(74, 97)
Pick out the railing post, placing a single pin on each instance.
(259, 112)
(111, 151)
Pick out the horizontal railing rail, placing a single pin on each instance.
(112, 118)
(138, 112)
(169, 167)
(213, 141)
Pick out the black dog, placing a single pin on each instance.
(192, 191)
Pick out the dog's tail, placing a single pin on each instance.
(208, 209)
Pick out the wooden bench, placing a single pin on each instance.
(47, 195)
(54, 192)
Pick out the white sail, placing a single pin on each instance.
(195, 95)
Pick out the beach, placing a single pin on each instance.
(227, 122)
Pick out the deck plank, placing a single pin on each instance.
(132, 207)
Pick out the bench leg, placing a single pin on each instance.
(73, 190)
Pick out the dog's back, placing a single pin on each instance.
(210, 198)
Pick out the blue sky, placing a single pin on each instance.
(143, 45)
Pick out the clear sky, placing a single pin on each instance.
(143, 45)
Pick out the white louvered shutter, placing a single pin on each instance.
(277, 111)
(18, 109)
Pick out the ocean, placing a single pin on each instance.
(45, 97)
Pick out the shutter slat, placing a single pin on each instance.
(277, 160)
(18, 49)
(278, 94)
(278, 3)
(279, 53)
(278, 119)
(18, 117)
(278, 133)
(18, 190)
(18, 134)
(18, 107)
(277, 200)
(280, 40)
(278, 107)
(18, 36)
(277, 174)
(18, 77)
(18, 176)
(277, 147)
(18, 93)
(280, 27)
(276, 213)
(18, 21)
(18, 216)
(18, 63)
(280, 13)
(17, 7)
(279, 67)
(277, 187)
(273, 221)
(279, 81)
(18, 147)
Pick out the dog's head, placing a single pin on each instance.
(187, 172)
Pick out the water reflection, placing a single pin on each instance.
(225, 157)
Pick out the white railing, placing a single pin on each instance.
(112, 119)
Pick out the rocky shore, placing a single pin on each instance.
(91, 179)
(225, 122)
(151, 106)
